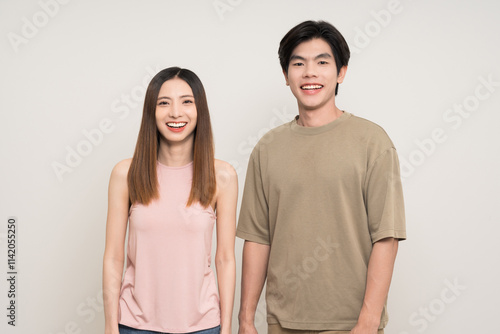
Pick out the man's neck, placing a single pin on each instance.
(318, 117)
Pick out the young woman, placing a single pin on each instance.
(171, 192)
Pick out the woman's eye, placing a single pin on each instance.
(188, 101)
(163, 103)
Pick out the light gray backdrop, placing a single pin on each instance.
(73, 76)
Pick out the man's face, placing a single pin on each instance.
(312, 75)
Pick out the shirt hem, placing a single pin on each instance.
(318, 326)
(396, 234)
(170, 330)
(252, 237)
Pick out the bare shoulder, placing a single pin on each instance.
(224, 169)
(121, 169)
(226, 176)
(119, 173)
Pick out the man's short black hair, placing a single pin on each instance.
(308, 30)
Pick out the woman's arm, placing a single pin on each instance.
(226, 199)
(116, 227)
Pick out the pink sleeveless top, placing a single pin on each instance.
(168, 284)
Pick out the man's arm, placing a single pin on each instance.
(380, 267)
(254, 273)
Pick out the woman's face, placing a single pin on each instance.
(176, 113)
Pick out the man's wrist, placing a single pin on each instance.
(246, 318)
(369, 320)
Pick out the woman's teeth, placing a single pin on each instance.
(176, 125)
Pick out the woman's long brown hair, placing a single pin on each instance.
(142, 177)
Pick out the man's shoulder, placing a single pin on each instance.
(275, 135)
(368, 129)
(365, 124)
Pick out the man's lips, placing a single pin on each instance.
(311, 88)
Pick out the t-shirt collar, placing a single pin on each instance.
(303, 130)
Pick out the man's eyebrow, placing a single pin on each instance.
(321, 55)
(296, 57)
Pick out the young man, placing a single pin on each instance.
(322, 208)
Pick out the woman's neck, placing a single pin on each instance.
(175, 155)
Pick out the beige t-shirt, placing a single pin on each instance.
(321, 196)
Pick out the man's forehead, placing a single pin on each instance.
(313, 48)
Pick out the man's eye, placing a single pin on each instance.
(323, 62)
(298, 64)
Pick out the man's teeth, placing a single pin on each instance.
(176, 125)
(311, 87)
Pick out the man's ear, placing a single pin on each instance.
(286, 77)
(342, 72)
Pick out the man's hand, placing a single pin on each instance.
(247, 328)
(364, 329)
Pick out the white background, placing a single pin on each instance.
(78, 65)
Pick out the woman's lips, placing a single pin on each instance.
(176, 126)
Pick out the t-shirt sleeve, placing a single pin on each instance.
(253, 223)
(384, 198)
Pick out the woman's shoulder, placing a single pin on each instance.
(225, 174)
(120, 171)
(223, 167)
(118, 184)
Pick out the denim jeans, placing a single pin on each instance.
(129, 330)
